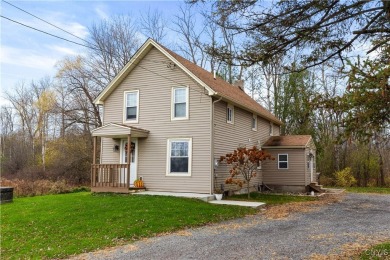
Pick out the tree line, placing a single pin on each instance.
(295, 59)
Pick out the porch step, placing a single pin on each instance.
(315, 187)
(134, 189)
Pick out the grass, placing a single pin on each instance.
(272, 199)
(368, 190)
(381, 251)
(56, 226)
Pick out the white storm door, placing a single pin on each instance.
(134, 159)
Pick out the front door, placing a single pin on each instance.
(134, 157)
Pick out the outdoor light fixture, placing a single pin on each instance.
(116, 148)
(216, 163)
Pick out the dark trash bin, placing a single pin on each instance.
(6, 194)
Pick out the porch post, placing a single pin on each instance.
(94, 150)
(93, 169)
(128, 159)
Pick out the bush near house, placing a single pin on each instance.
(243, 163)
(344, 178)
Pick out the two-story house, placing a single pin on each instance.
(179, 119)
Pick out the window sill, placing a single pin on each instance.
(179, 118)
(178, 174)
(130, 121)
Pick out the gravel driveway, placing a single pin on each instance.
(358, 220)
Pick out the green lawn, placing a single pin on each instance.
(272, 199)
(368, 190)
(381, 251)
(56, 226)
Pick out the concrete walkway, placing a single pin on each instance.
(205, 197)
(251, 204)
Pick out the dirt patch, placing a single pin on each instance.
(283, 211)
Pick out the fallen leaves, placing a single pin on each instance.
(284, 210)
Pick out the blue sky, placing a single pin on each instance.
(30, 55)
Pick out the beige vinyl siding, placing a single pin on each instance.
(294, 175)
(108, 156)
(263, 129)
(311, 146)
(155, 80)
(276, 130)
(228, 137)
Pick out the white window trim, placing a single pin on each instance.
(254, 117)
(271, 125)
(173, 118)
(227, 118)
(282, 161)
(125, 120)
(169, 141)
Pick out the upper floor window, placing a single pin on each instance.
(254, 122)
(282, 161)
(271, 128)
(179, 103)
(131, 106)
(230, 114)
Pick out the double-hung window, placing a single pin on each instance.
(180, 103)
(230, 114)
(131, 106)
(179, 157)
(282, 161)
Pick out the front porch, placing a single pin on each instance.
(115, 177)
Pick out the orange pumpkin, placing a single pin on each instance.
(138, 184)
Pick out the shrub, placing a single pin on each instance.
(326, 181)
(344, 178)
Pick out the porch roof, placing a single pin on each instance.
(288, 141)
(114, 130)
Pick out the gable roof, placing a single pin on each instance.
(288, 140)
(215, 86)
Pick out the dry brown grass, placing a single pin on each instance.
(24, 188)
(284, 210)
(351, 250)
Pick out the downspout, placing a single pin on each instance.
(212, 144)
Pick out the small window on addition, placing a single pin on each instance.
(254, 122)
(282, 161)
(271, 129)
(230, 114)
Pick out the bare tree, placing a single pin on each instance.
(114, 42)
(185, 26)
(154, 25)
(75, 78)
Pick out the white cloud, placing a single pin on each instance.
(76, 28)
(63, 50)
(26, 58)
